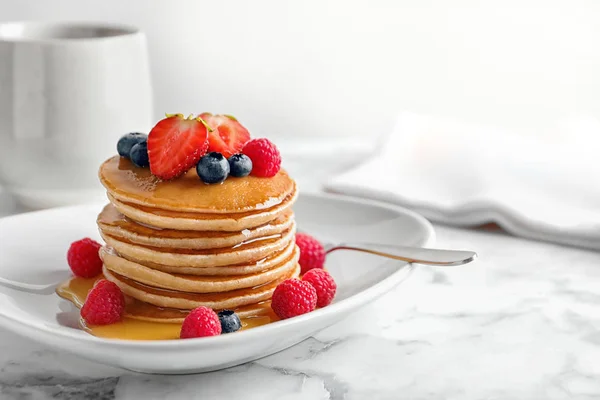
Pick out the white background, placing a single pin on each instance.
(336, 68)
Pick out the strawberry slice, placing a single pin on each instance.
(228, 135)
(176, 144)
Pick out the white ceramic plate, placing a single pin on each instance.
(33, 248)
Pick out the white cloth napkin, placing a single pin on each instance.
(540, 186)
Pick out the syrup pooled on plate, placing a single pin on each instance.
(76, 289)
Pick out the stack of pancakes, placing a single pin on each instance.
(172, 246)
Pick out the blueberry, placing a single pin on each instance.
(213, 168)
(230, 322)
(240, 165)
(139, 155)
(126, 143)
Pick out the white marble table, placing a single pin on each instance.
(523, 322)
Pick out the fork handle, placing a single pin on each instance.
(416, 255)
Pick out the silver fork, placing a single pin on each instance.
(417, 255)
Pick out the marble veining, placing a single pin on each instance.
(523, 322)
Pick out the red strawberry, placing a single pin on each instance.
(175, 145)
(228, 135)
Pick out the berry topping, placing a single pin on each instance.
(266, 160)
(104, 304)
(83, 258)
(176, 144)
(312, 253)
(293, 297)
(228, 136)
(240, 165)
(125, 144)
(200, 322)
(213, 168)
(323, 284)
(139, 155)
(230, 322)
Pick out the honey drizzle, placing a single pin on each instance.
(76, 289)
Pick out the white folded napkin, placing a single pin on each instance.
(540, 186)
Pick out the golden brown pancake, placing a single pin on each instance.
(250, 267)
(149, 312)
(194, 283)
(168, 219)
(113, 223)
(189, 301)
(250, 251)
(130, 184)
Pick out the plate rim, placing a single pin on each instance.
(34, 330)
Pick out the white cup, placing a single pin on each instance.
(68, 91)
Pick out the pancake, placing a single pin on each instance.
(189, 301)
(251, 267)
(130, 184)
(115, 224)
(188, 221)
(148, 312)
(249, 251)
(194, 283)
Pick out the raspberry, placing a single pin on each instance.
(323, 284)
(104, 304)
(266, 160)
(83, 258)
(293, 297)
(312, 253)
(200, 322)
